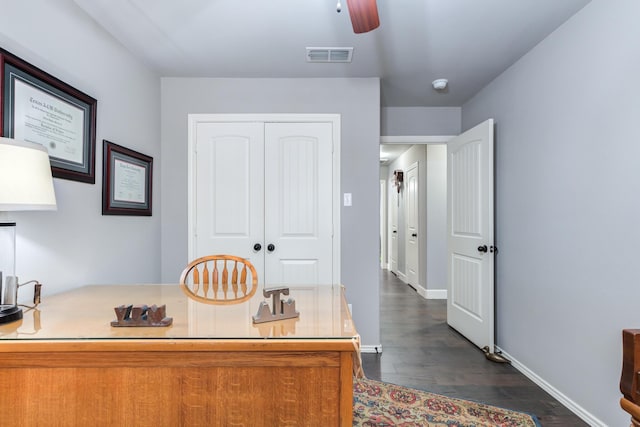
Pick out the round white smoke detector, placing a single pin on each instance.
(440, 84)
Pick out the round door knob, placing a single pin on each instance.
(271, 247)
(257, 247)
(483, 248)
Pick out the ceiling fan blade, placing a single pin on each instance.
(364, 15)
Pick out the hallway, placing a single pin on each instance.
(421, 351)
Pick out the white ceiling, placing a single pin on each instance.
(469, 42)
(390, 152)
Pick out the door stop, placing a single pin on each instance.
(495, 357)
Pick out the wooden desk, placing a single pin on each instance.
(64, 364)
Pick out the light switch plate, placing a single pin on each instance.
(347, 199)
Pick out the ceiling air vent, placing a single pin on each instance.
(329, 54)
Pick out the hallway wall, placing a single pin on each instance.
(567, 203)
(397, 121)
(436, 218)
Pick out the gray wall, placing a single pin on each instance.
(429, 121)
(76, 245)
(568, 174)
(436, 217)
(358, 102)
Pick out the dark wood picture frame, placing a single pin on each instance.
(37, 107)
(127, 181)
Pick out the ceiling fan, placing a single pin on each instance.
(364, 15)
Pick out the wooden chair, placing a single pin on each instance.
(219, 279)
(630, 378)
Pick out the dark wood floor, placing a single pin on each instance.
(421, 351)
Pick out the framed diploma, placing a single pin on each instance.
(37, 107)
(127, 181)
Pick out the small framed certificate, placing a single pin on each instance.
(37, 107)
(127, 181)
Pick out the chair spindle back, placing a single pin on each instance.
(206, 279)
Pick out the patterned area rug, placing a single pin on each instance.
(379, 404)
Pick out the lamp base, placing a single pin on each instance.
(10, 313)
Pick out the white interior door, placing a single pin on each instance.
(298, 203)
(228, 205)
(393, 226)
(470, 280)
(413, 226)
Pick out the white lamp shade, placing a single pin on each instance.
(25, 177)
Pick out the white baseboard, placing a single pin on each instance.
(560, 397)
(430, 293)
(371, 348)
(422, 291)
(437, 294)
(401, 276)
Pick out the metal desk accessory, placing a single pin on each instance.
(281, 309)
(141, 315)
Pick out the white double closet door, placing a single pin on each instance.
(264, 191)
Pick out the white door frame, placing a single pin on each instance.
(193, 121)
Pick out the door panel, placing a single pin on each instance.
(229, 195)
(413, 221)
(470, 282)
(298, 271)
(298, 202)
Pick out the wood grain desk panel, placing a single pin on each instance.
(189, 374)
